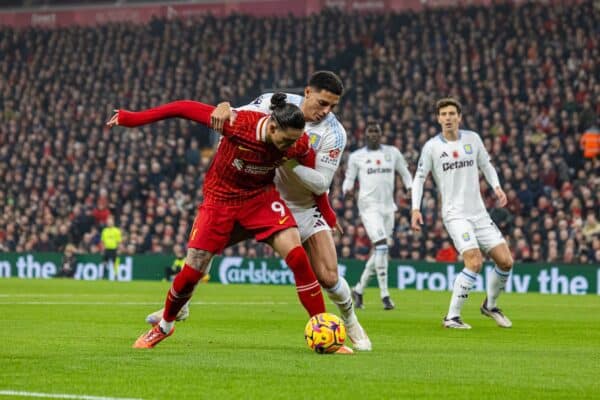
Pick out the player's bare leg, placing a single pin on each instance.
(496, 283)
(196, 264)
(321, 251)
(462, 286)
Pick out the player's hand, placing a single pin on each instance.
(501, 197)
(220, 115)
(416, 220)
(114, 120)
(339, 228)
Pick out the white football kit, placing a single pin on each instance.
(455, 168)
(328, 140)
(376, 172)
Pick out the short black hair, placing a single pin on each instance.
(445, 102)
(327, 80)
(286, 115)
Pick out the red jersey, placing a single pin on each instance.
(244, 164)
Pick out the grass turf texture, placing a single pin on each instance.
(246, 342)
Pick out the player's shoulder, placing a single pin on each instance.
(387, 148)
(434, 141)
(264, 100)
(466, 134)
(358, 152)
(334, 128)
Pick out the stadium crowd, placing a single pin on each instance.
(528, 77)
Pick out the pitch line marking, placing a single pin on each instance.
(59, 395)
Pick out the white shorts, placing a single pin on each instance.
(310, 221)
(378, 225)
(474, 233)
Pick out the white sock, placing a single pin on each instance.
(165, 326)
(381, 268)
(462, 286)
(366, 275)
(340, 295)
(495, 284)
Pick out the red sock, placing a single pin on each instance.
(307, 286)
(181, 291)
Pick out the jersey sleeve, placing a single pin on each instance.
(244, 125)
(401, 167)
(261, 104)
(187, 109)
(351, 172)
(485, 164)
(423, 168)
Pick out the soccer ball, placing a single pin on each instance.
(325, 333)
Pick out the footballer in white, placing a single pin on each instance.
(376, 166)
(454, 158)
(297, 185)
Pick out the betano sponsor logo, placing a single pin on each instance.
(378, 170)
(457, 164)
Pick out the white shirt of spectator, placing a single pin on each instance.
(454, 166)
(376, 177)
(328, 140)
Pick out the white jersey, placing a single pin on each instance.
(376, 171)
(328, 140)
(454, 165)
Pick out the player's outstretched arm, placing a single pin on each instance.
(187, 109)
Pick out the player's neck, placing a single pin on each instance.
(450, 136)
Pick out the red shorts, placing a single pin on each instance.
(261, 216)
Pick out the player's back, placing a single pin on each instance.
(328, 140)
(244, 164)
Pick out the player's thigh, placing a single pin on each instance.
(323, 258)
(265, 215)
(374, 224)
(462, 233)
(310, 221)
(488, 234)
(212, 228)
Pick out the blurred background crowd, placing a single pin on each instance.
(528, 78)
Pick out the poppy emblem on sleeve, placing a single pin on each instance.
(334, 153)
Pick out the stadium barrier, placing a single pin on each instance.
(540, 278)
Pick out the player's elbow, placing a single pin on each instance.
(320, 188)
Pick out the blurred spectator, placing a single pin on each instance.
(446, 253)
(68, 263)
(590, 142)
(531, 89)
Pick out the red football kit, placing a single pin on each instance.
(238, 190)
(239, 183)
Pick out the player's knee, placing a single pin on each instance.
(198, 259)
(473, 260)
(505, 263)
(327, 278)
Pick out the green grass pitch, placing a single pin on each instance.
(246, 342)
